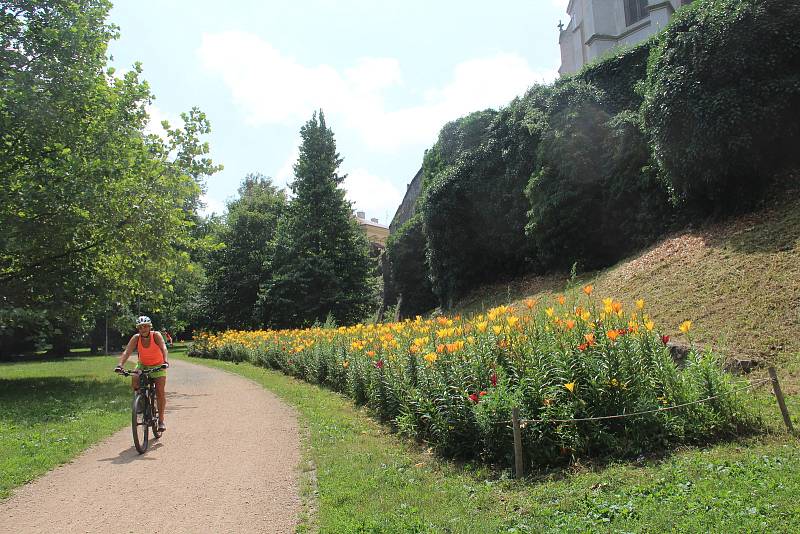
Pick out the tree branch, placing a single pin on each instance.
(23, 271)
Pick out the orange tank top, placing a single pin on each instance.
(151, 355)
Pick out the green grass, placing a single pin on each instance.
(51, 410)
(368, 480)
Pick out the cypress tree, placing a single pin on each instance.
(321, 265)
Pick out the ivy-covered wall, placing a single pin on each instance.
(695, 122)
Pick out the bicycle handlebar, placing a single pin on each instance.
(125, 372)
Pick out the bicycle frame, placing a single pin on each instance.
(144, 405)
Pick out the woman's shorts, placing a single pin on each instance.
(155, 374)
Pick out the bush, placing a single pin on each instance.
(22, 331)
(592, 198)
(409, 269)
(618, 75)
(474, 205)
(722, 100)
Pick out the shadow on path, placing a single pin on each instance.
(131, 455)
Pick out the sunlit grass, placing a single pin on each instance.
(368, 480)
(52, 410)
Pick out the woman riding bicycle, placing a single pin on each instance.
(152, 351)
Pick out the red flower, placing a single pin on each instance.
(474, 398)
(583, 346)
(665, 339)
(482, 393)
(622, 331)
(493, 379)
(379, 364)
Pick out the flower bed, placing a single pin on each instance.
(453, 381)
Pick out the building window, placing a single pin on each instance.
(635, 10)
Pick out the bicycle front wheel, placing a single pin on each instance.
(139, 423)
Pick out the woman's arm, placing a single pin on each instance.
(128, 350)
(162, 346)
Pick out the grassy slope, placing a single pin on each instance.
(738, 281)
(52, 410)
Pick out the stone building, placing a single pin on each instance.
(597, 26)
(377, 233)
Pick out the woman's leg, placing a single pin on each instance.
(161, 396)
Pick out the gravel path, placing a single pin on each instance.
(235, 473)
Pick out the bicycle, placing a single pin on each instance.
(144, 410)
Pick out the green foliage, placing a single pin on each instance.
(722, 100)
(592, 199)
(321, 264)
(21, 330)
(406, 252)
(240, 266)
(705, 112)
(474, 204)
(618, 75)
(94, 211)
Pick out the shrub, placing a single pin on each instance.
(410, 275)
(474, 205)
(22, 331)
(592, 199)
(722, 100)
(618, 75)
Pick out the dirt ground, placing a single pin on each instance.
(228, 462)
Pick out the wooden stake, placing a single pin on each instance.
(518, 464)
(776, 387)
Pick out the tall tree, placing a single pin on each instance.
(93, 209)
(239, 267)
(321, 265)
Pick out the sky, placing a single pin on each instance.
(387, 76)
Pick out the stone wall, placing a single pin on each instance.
(406, 209)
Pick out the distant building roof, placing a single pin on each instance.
(377, 233)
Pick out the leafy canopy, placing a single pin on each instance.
(93, 209)
(240, 266)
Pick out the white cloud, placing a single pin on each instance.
(212, 205)
(156, 116)
(285, 175)
(375, 196)
(270, 87)
(273, 88)
(476, 84)
(561, 4)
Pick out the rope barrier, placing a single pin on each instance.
(633, 414)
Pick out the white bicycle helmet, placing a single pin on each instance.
(143, 319)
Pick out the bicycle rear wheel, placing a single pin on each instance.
(139, 422)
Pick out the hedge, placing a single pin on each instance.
(722, 100)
